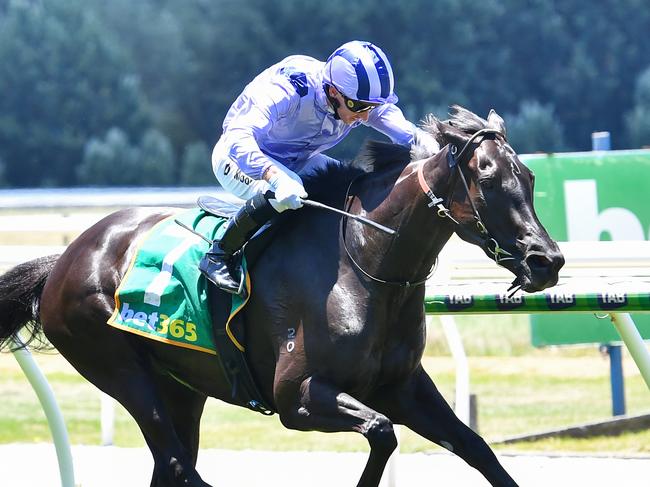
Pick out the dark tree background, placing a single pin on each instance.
(133, 93)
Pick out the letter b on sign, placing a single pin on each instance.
(585, 223)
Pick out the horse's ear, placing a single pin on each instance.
(496, 122)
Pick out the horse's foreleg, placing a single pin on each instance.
(421, 407)
(321, 407)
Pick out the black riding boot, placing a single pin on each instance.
(221, 264)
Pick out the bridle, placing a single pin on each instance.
(442, 210)
(488, 242)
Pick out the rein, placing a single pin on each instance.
(499, 254)
(343, 228)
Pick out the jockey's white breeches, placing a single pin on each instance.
(233, 179)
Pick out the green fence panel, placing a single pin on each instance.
(590, 196)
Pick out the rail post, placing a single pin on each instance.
(601, 141)
(52, 412)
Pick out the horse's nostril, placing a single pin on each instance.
(538, 261)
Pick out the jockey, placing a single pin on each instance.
(278, 128)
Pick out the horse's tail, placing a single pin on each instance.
(20, 294)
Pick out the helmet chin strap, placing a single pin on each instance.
(333, 101)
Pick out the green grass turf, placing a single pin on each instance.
(517, 394)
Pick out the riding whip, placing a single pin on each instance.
(366, 221)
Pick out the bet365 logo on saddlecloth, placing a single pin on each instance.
(158, 323)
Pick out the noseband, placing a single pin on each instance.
(453, 161)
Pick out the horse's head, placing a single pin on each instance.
(492, 199)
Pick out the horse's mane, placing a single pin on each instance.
(460, 119)
(329, 184)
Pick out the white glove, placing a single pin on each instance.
(288, 191)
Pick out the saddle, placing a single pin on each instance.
(216, 206)
(232, 357)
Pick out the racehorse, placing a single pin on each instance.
(349, 297)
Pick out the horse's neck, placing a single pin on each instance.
(421, 233)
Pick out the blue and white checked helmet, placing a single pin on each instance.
(361, 71)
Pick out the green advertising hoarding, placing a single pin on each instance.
(590, 196)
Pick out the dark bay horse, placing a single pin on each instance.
(348, 297)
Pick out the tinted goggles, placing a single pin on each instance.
(357, 106)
